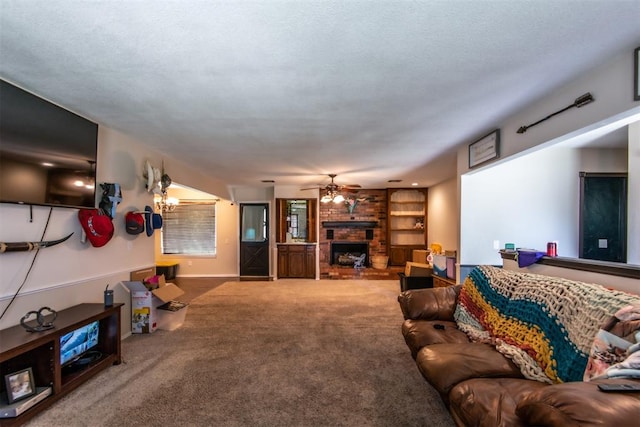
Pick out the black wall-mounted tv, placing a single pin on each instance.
(47, 154)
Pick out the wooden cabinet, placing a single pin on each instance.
(399, 255)
(406, 223)
(40, 351)
(297, 261)
(442, 282)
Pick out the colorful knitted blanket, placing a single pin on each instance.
(545, 325)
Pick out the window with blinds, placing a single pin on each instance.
(190, 229)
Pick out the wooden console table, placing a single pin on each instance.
(40, 351)
(441, 282)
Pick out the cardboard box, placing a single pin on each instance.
(140, 275)
(144, 304)
(420, 256)
(415, 269)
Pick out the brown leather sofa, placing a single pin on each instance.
(482, 387)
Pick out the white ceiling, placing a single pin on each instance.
(293, 90)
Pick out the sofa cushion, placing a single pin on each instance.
(445, 365)
(418, 333)
(429, 304)
(580, 404)
(490, 402)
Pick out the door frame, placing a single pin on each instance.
(268, 237)
(625, 236)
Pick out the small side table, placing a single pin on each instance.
(169, 269)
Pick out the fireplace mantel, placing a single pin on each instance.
(349, 224)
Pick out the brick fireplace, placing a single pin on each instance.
(349, 253)
(367, 223)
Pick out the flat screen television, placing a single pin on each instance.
(77, 343)
(47, 154)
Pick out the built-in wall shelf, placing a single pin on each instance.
(406, 223)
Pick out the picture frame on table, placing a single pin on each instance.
(636, 74)
(19, 385)
(485, 149)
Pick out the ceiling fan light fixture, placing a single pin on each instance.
(332, 196)
(332, 191)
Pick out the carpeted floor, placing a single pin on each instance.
(282, 353)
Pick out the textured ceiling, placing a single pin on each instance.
(292, 91)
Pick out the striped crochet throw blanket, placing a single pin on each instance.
(545, 325)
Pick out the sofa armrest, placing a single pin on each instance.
(580, 404)
(429, 304)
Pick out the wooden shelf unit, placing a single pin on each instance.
(296, 261)
(20, 349)
(406, 207)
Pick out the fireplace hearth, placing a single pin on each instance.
(350, 254)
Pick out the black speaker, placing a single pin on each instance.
(368, 233)
(329, 234)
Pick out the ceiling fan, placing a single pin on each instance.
(333, 190)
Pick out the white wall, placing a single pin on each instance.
(529, 201)
(75, 272)
(611, 85)
(225, 262)
(442, 218)
(603, 159)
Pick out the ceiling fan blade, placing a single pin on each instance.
(350, 190)
(332, 187)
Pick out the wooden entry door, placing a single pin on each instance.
(603, 216)
(254, 240)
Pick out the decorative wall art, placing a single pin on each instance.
(484, 149)
(636, 74)
(29, 246)
(351, 203)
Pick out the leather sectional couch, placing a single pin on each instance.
(511, 349)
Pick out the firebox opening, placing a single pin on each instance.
(350, 254)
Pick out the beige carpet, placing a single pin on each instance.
(282, 353)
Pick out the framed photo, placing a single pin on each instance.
(19, 385)
(636, 74)
(485, 149)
